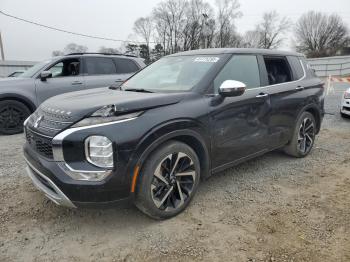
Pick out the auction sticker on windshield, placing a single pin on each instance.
(206, 59)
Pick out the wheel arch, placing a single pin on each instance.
(19, 98)
(187, 136)
(315, 111)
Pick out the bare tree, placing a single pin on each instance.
(319, 34)
(143, 27)
(251, 39)
(75, 48)
(171, 13)
(271, 30)
(70, 48)
(197, 26)
(227, 13)
(109, 50)
(57, 53)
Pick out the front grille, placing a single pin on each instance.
(41, 144)
(50, 123)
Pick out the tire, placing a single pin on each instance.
(301, 144)
(12, 116)
(151, 192)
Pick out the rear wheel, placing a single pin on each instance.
(12, 116)
(169, 180)
(303, 136)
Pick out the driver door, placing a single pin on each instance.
(239, 125)
(66, 77)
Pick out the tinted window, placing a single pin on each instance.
(100, 66)
(278, 70)
(64, 68)
(296, 64)
(243, 68)
(125, 66)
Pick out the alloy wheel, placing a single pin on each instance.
(306, 135)
(173, 181)
(11, 118)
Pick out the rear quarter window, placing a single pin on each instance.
(125, 66)
(296, 64)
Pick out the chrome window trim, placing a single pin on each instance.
(290, 82)
(263, 87)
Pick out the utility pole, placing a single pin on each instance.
(205, 29)
(2, 48)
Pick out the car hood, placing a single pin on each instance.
(13, 81)
(83, 103)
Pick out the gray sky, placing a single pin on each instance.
(114, 19)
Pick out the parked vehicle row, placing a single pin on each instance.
(177, 121)
(20, 96)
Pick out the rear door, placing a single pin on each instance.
(239, 125)
(66, 77)
(99, 72)
(125, 68)
(283, 75)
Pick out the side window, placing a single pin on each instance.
(242, 68)
(308, 67)
(298, 68)
(100, 66)
(65, 68)
(278, 70)
(125, 66)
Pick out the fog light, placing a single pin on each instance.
(83, 175)
(99, 151)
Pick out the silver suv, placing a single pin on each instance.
(19, 97)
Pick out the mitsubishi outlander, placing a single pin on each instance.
(178, 121)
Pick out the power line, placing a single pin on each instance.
(68, 32)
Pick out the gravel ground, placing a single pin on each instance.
(273, 208)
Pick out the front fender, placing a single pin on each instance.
(176, 129)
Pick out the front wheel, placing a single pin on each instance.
(12, 116)
(303, 136)
(168, 180)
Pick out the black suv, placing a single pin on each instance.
(179, 120)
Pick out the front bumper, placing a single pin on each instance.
(49, 178)
(49, 188)
(345, 106)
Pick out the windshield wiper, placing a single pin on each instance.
(141, 90)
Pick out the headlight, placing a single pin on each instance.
(106, 114)
(99, 151)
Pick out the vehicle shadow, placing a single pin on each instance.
(125, 215)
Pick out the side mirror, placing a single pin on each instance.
(45, 75)
(232, 88)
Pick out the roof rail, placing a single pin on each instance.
(96, 53)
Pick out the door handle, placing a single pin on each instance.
(262, 95)
(119, 80)
(299, 88)
(77, 83)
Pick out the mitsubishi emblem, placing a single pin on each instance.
(37, 121)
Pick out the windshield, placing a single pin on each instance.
(34, 69)
(172, 74)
